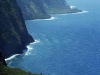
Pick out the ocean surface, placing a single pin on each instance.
(66, 44)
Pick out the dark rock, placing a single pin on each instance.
(2, 61)
(13, 33)
(39, 9)
(32, 9)
(58, 7)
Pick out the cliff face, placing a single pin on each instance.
(39, 9)
(2, 61)
(58, 7)
(13, 33)
(32, 9)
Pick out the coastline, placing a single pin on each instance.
(25, 52)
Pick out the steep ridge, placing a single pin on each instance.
(32, 9)
(39, 9)
(13, 33)
(58, 7)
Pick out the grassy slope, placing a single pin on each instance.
(12, 71)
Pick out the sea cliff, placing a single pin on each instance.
(2, 61)
(58, 7)
(41, 9)
(32, 9)
(13, 33)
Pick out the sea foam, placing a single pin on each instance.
(52, 18)
(30, 47)
(11, 57)
(81, 12)
(75, 13)
(36, 41)
(72, 7)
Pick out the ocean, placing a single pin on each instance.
(66, 44)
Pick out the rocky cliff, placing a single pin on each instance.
(13, 33)
(39, 9)
(32, 9)
(2, 61)
(58, 7)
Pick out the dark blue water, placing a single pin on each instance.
(65, 45)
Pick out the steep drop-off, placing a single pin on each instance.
(39, 9)
(2, 61)
(58, 7)
(13, 33)
(32, 9)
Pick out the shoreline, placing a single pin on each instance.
(25, 51)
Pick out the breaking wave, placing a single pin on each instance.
(52, 18)
(12, 57)
(29, 48)
(72, 7)
(81, 12)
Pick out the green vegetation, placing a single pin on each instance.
(12, 71)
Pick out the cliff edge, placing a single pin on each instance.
(32, 9)
(58, 7)
(13, 33)
(41, 9)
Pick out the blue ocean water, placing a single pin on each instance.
(66, 44)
